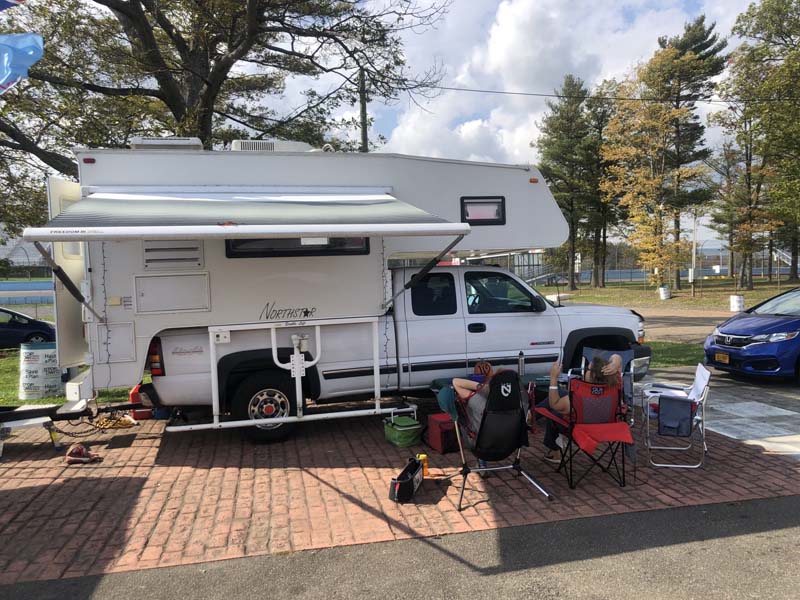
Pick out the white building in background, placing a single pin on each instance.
(19, 252)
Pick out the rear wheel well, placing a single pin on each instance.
(234, 368)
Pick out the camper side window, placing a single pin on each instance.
(434, 295)
(483, 210)
(256, 248)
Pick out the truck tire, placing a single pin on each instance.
(265, 395)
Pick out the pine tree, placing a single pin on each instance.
(600, 214)
(687, 79)
(564, 131)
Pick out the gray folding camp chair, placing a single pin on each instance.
(680, 413)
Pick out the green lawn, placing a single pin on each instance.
(711, 294)
(675, 354)
(9, 385)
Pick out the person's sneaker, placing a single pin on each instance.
(562, 441)
(553, 456)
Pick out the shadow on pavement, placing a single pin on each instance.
(68, 526)
(450, 565)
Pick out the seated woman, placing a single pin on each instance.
(465, 387)
(598, 371)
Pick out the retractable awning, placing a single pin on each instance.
(181, 213)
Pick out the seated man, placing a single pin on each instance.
(598, 371)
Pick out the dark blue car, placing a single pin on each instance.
(761, 341)
(16, 328)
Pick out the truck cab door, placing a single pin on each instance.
(435, 329)
(504, 317)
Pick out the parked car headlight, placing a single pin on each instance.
(775, 337)
(716, 332)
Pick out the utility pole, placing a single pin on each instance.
(362, 99)
(694, 253)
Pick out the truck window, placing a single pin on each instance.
(434, 295)
(495, 293)
(257, 248)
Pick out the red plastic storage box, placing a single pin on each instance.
(441, 433)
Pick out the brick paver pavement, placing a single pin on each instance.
(166, 499)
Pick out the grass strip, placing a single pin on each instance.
(675, 354)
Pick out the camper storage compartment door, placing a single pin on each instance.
(172, 292)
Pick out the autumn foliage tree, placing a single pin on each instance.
(640, 174)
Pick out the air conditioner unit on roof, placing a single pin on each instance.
(166, 143)
(269, 146)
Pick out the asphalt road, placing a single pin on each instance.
(734, 550)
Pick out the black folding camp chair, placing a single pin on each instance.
(491, 424)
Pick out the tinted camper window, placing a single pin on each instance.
(483, 210)
(255, 248)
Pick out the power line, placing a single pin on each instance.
(722, 101)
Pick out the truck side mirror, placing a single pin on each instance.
(538, 304)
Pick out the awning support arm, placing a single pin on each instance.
(425, 270)
(64, 278)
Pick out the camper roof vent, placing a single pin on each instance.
(269, 146)
(166, 143)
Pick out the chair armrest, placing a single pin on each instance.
(545, 412)
(676, 397)
(666, 386)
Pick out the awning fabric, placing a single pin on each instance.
(181, 214)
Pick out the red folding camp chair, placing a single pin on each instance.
(596, 418)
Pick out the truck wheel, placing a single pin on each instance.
(264, 396)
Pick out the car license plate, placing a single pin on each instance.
(722, 357)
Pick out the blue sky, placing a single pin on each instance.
(528, 46)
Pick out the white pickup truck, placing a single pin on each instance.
(439, 328)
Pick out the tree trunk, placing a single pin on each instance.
(770, 250)
(596, 258)
(731, 258)
(676, 231)
(362, 100)
(572, 286)
(750, 260)
(794, 242)
(742, 272)
(604, 256)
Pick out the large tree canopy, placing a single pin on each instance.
(214, 69)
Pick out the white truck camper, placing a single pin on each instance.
(257, 283)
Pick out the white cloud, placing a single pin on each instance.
(528, 45)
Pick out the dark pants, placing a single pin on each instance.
(551, 429)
